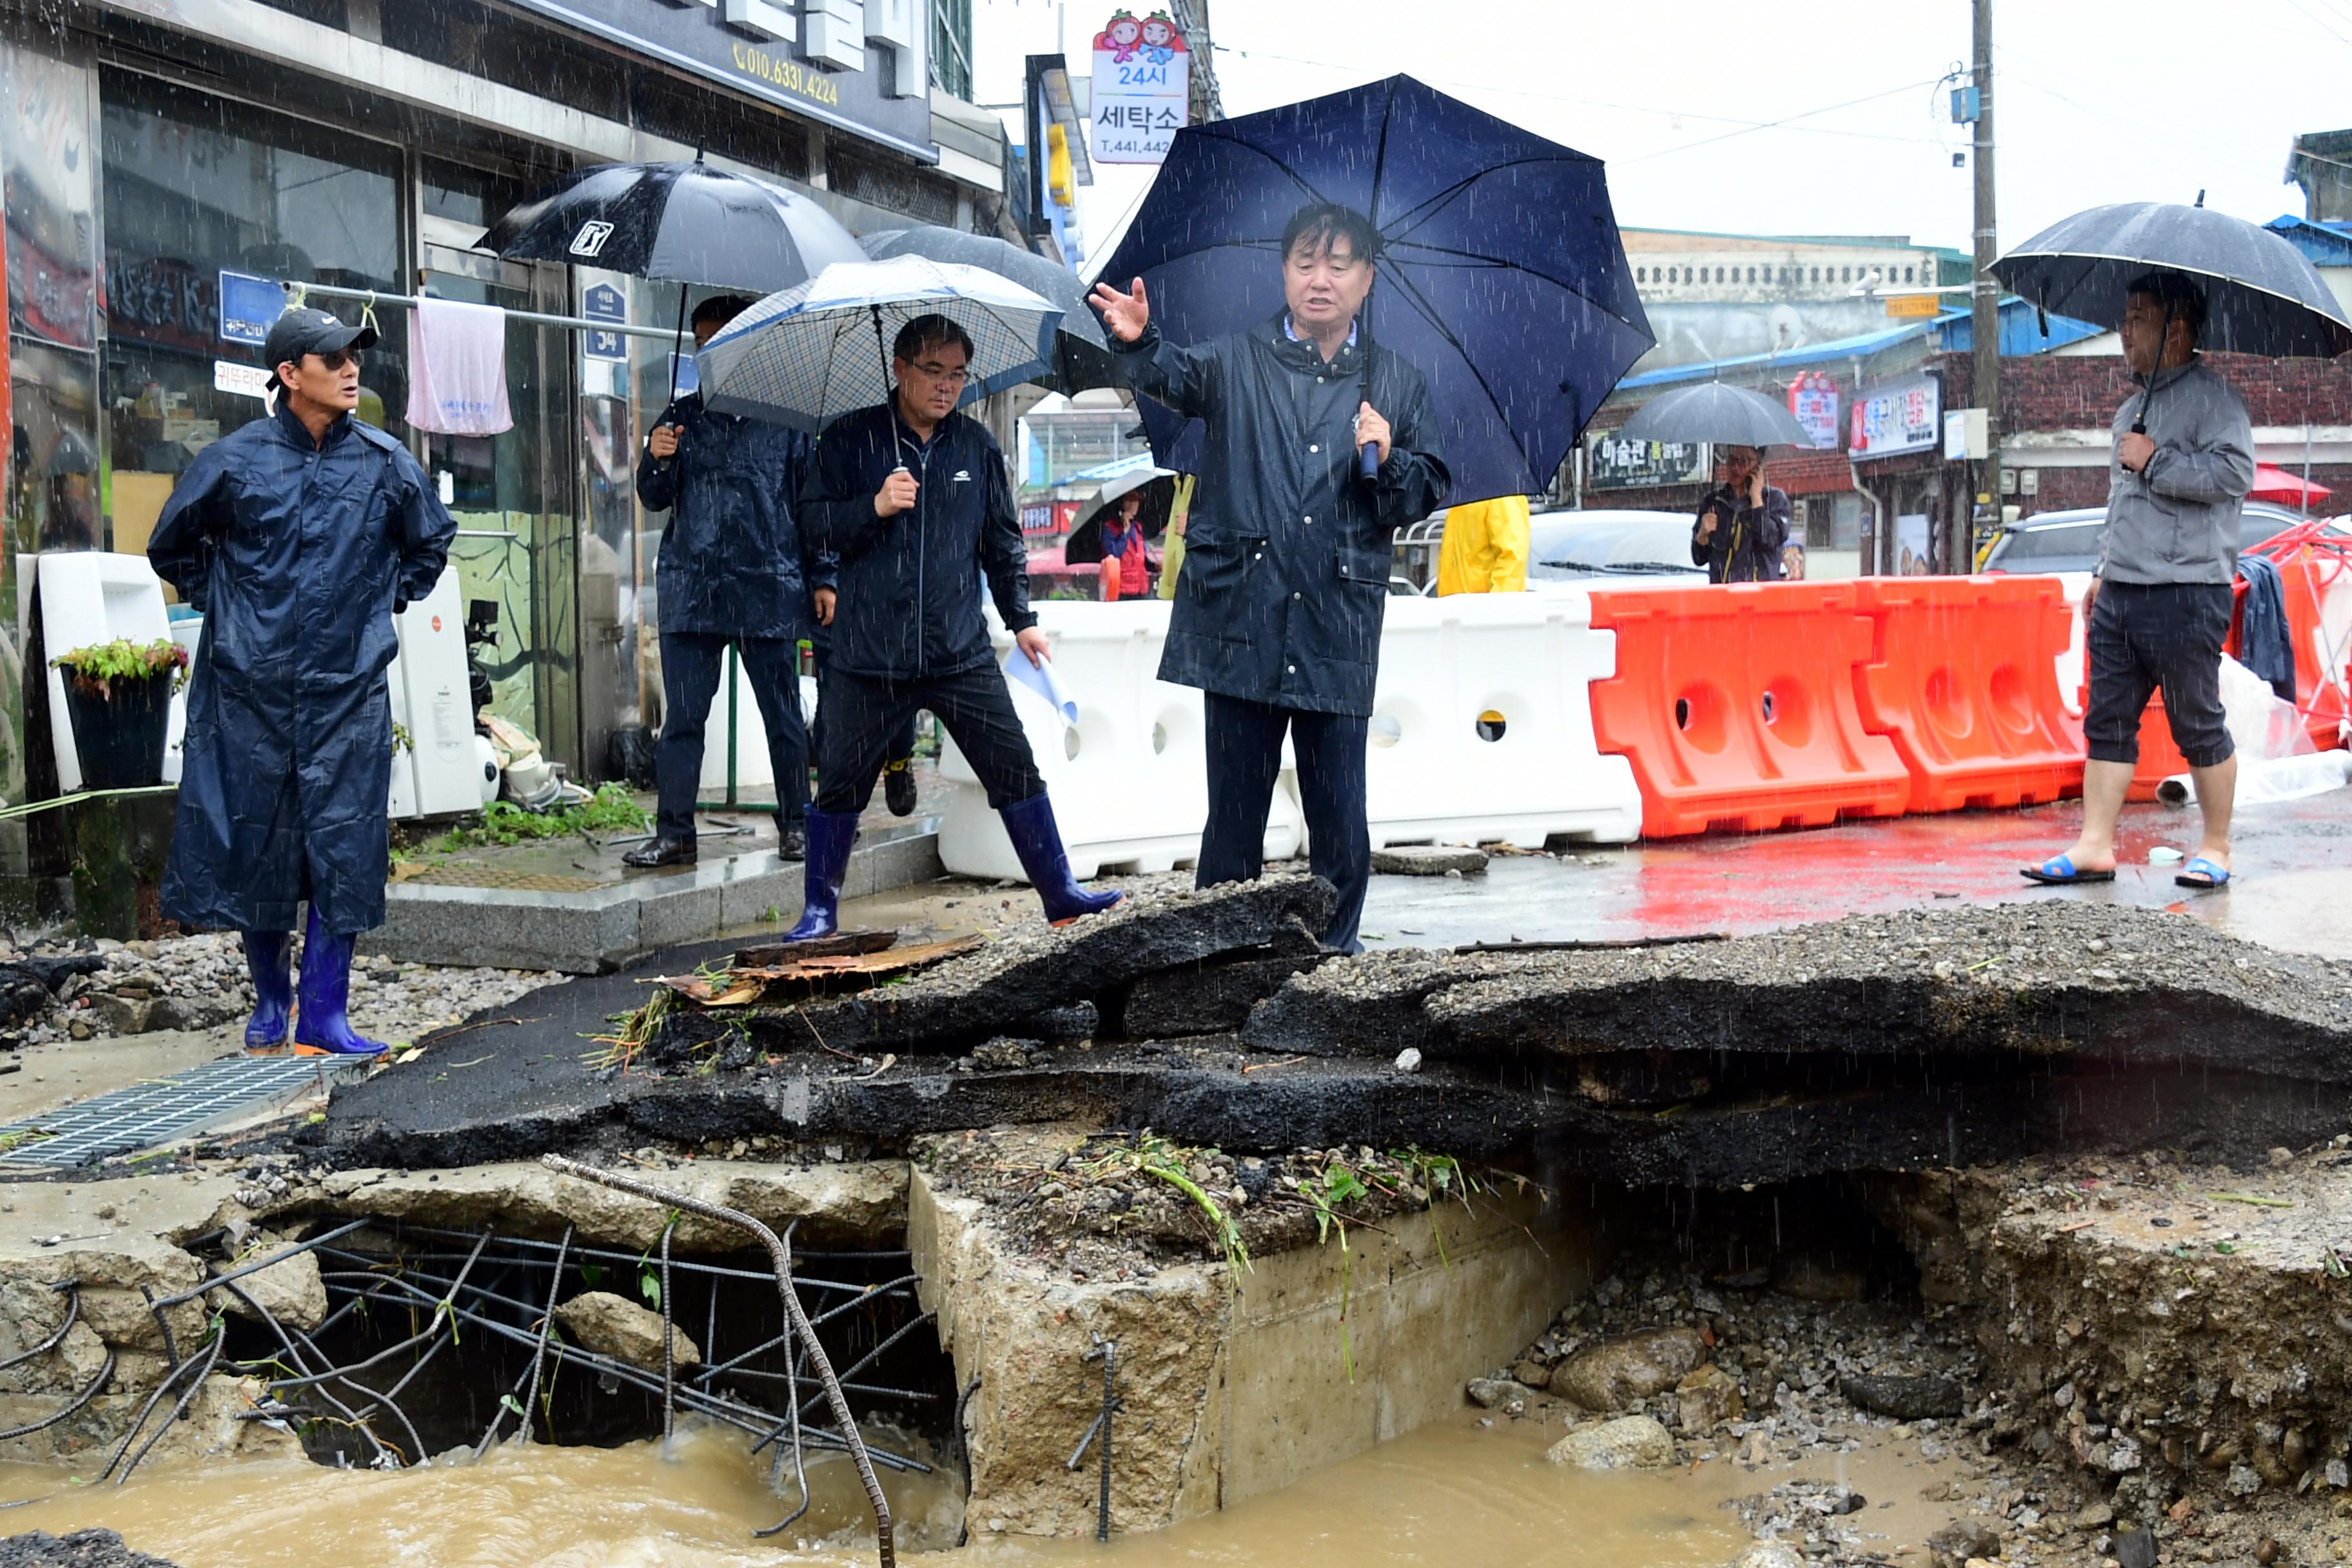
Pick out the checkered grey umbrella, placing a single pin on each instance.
(811, 354)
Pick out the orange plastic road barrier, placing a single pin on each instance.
(1735, 707)
(1962, 677)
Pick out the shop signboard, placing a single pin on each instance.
(602, 302)
(858, 65)
(1143, 84)
(1898, 417)
(1813, 400)
(1613, 463)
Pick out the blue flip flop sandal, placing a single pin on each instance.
(2059, 871)
(2202, 875)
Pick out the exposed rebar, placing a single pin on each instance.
(670, 1344)
(781, 1255)
(188, 1395)
(76, 1403)
(1107, 1350)
(73, 1314)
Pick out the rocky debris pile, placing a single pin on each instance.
(82, 1549)
(96, 989)
(1810, 1521)
(2171, 1333)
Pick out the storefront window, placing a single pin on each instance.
(52, 458)
(202, 196)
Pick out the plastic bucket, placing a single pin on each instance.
(119, 735)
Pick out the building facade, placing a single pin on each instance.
(170, 164)
(1721, 296)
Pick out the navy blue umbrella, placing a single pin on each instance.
(1500, 278)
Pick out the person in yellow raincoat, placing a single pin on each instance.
(1486, 547)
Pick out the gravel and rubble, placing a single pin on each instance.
(2072, 1443)
(95, 989)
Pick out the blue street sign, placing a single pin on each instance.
(248, 306)
(602, 302)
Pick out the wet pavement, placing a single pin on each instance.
(2292, 889)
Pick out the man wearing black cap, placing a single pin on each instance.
(731, 571)
(299, 537)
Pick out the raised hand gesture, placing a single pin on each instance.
(1125, 314)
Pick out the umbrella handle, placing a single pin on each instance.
(1367, 460)
(2139, 421)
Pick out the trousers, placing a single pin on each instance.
(1244, 746)
(2149, 637)
(902, 744)
(691, 663)
(866, 715)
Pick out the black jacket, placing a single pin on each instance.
(1286, 576)
(730, 562)
(909, 605)
(298, 553)
(1747, 540)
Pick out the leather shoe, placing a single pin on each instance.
(662, 852)
(899, 786)
(792, 841)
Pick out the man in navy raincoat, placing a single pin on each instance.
(299, 537)
(911, 496)
(1278, 609)
(730, 571)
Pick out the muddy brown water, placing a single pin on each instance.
(1453, 1492)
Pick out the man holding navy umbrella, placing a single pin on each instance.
(1278, 612)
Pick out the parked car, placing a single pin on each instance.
(2069, 541)
(1611, 545)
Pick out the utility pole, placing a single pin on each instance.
(1985, 300)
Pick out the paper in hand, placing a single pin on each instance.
(1041, 678)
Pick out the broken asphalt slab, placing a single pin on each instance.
(1873, 1042)
(2058, 979)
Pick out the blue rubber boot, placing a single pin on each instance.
(269, 961)
(1038, 842)
(830, 834)
(322, 1026)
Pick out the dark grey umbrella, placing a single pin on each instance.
(684, 223)
(1730, 415)
(2261, 296)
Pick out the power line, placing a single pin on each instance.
(1788, 123)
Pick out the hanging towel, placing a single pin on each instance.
(2265, 640)
(458, 369)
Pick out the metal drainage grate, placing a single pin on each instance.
(161, 1109)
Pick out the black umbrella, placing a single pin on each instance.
(1501, 278)
(682, 223)
(1158, 487)
(2261, 296)
(679, 222)
(1713, 412)
(1081, 354)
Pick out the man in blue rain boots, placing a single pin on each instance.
(298, 536)
(911, 496)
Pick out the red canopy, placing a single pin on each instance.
(2278, 486)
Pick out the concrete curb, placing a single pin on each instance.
(590, 934)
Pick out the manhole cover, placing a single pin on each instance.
(491, 876)
(162, 1109)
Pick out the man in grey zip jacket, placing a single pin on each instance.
(2156, 613)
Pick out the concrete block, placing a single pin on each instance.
(689, 914)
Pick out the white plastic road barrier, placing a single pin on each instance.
(1128, 780)
(92, 596)
(753, 770)
(1482, 724)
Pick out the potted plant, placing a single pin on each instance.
(119, 701)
